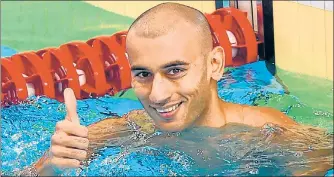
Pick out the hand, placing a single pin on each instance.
(69, 144)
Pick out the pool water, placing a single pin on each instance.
(7, 51)
(233, 150)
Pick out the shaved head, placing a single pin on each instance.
(174, 67)
(169, 17)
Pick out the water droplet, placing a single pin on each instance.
(254, 171)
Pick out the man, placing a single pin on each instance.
(175, 71)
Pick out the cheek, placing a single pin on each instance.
(141, 90)
(194, 84)
(196, 91)
(190, 90)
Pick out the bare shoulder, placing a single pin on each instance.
(117, 129)
(136, 119)
(108, 127)
(258, 116)
(142, 120)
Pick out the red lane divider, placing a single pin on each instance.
(100, 65)
(13, 85)
(29, 64)
(233, 31)
(112, 55)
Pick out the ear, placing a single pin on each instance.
(217, 63)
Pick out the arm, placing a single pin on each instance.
(113, 131)
(259, 116)
(312, 146)
(277, 117)
(118, 131)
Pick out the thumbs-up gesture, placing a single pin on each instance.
(69, 144)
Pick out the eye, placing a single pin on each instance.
(143, 74)
(174, 71)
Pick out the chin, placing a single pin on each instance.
(174, 126)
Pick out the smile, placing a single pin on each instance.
(168, 109)
(168, 112)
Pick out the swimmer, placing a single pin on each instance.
(175, 70)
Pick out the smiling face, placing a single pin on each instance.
(170, 77)
(175, 68)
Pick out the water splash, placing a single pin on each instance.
(27, 128)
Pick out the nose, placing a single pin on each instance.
(160, 90)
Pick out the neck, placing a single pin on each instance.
(213, 115)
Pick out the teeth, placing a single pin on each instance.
(168, 110)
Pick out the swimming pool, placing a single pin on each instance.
(27, 128)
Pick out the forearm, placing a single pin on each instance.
(309, 151)
(108, 132)
(114, 131)
(40, 168)
(119, 131)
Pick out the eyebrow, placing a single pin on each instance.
(138, 68)
(174, 63)
(167, 65)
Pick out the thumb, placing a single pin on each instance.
(71, 106)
